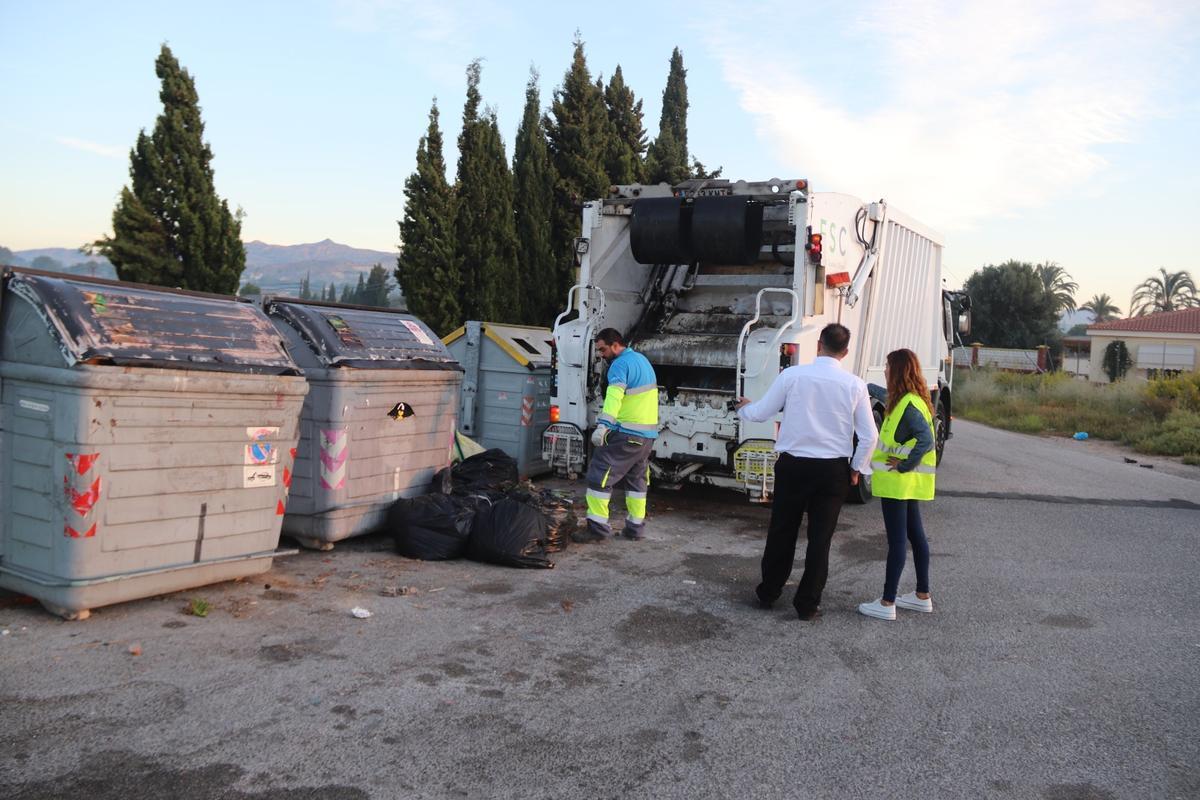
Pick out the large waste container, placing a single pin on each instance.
(378, 422)
(507, 384)
(146, 437)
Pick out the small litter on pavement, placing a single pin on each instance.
(1081, 435)
(360, 613)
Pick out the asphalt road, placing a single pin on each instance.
(1062, 662)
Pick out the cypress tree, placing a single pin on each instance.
(627, 145)
(305, 287)
(577, 131)
(485, 236)
(169, 226)
(348, 293)
(375, 291)
(427, 269)
(667, 158)
(533, 203)
(360, 291)
(331, 296)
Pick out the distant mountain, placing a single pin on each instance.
(274, 267)
(65, 259)
(283, 267)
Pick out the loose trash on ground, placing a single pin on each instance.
(1081, 435)
(360, 613)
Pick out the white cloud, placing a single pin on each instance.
(439, 37)
(108, 151)
(955, 111)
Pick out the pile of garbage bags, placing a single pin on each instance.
(480, 510)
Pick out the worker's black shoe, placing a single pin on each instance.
(632, 535)
(587, 536)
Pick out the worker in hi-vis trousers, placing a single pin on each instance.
(623, 439)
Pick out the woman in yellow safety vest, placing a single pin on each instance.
(903, 471)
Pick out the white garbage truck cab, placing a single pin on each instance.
(721, 285)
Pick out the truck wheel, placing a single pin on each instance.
(861, 493)
(941, 424)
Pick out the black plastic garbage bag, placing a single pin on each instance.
(490, 470)
(431, 527)
(509, 533)
(557, 505)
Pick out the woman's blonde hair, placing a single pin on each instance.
(904, 377)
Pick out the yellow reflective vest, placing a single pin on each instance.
(917, 483)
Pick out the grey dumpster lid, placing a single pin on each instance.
(127, 324)
(365, 338)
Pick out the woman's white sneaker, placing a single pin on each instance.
(914, 603)
(877, 610)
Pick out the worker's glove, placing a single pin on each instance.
(600, 436)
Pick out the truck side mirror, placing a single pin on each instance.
(964, 323)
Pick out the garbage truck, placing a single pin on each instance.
(723, 284)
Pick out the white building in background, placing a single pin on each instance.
(1159, 344)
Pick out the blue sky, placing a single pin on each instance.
(1059, 131)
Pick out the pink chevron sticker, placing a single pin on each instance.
(335, 452)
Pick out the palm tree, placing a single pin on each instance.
(1167, 291)
(1058, 284)
(1102, 308)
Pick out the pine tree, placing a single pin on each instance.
(485, 235)
(306, 288)
(360, 291)
(426, 269)
(667, 157)
(533, 202)
(331, 296)
(347, 294)
(627, 145)
(169, 226)
(576, 130)
(375, 291)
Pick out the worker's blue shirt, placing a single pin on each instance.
(631, 400)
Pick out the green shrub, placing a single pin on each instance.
(1182, 391)
(1161, 417)
(1179, 435)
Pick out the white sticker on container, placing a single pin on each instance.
(253, 477)
(422, 337)
(261, 433)
(41, 408)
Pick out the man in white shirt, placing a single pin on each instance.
(823, 407)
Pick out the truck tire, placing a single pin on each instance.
(861, 494)
(941, 423)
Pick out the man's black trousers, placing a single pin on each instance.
(815, 485)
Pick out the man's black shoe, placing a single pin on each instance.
(633, 536)
(808, 614)
(586, 536)
(763, 601)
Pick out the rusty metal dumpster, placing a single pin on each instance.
(147, 436)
